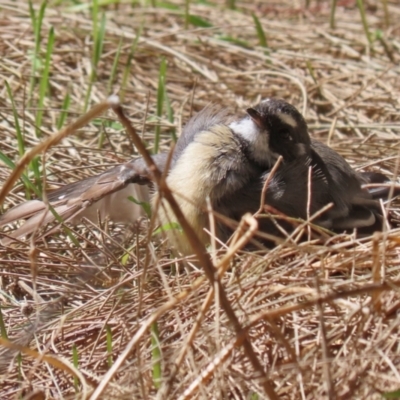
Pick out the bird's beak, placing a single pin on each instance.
(255, 116)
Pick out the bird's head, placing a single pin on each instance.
(284, 126)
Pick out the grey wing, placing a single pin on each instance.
(287, 192)
(351, 181)
(346, 181)
(106, 193)
(355, 207)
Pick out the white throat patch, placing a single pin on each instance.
(246, 128)
(258, 140)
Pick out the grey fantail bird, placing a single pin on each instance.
(210, 160)
(226, 159)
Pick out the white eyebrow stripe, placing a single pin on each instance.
(287, 119)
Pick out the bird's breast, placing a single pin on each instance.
(205, 169)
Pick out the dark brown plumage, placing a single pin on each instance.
(332, 179)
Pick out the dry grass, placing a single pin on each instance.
(323, 320)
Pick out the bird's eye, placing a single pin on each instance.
(286, 136)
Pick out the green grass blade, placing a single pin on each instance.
(26, 182)
(187, 13)
(156, 355)
(114, 68)
(75, 361)
(231, 4)
(311, 71)
(19, 363)
(95, 19)
(160, 102)
(20, 137)
(44, 82)
(360, 5)
(99, 42)
(378, 35)
(109, 346)
(88, 93)
(144, 204)
(199, 22)
(170, 226)
(98, 34)
(37, 21)
(64, 110)
(169, 6)
(237, 42)
(386, 13)
(127, 69)
(170, 115)
(392, 395)
(332, 15)
(66, 230)
(38, 192)
(260, 32)
(34, 166)
(3, 330)
(102, 136)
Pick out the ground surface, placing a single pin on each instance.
(323, 320)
